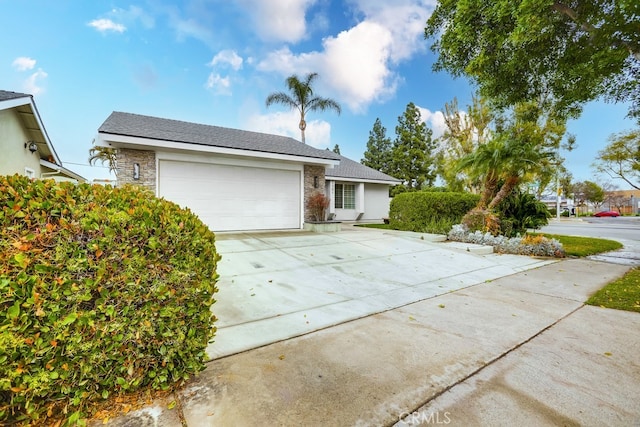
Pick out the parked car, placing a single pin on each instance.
(606, 213)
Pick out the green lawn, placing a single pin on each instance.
(621, 294)
(383, 226)
(583, 246)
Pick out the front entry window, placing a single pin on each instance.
(345, 196)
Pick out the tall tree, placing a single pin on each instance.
(301, 97)
(378, 153)
(465, 132)
(567, 52)
(594, 194)
(413, 150)
(621, 158)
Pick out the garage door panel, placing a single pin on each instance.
(229, 197)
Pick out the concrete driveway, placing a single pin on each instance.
(518, 350)
(275, 286)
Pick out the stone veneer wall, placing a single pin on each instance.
(146, 160)
(309, 173)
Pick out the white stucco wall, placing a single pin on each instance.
(372, 200)
(376, 200)
(15, 158)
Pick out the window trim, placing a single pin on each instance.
(345, 196)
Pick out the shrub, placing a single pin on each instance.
(317, 204)
(482, 220)
(528, 245)
(433, 212)
(102, 291)
(520, 212)
(399, 189)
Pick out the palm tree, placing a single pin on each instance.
(483, 165)
(104, 155)
(519, 150)
(301, 98)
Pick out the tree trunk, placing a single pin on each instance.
(487, 193)
(506, 188)
(302, 126)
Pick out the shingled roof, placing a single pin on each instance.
(6, 95)
(135, 125)
(357, 171)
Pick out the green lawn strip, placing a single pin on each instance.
(382, 226)
(583, 246)
(621, 294)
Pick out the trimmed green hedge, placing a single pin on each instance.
(430, 212)
(102, 291)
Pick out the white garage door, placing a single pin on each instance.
(229, 198)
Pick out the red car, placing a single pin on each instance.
(606, 213)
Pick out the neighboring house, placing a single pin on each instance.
(232, 179)
(26, 148)
(358, 192)
(627, 202)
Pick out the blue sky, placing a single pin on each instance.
(215, 62)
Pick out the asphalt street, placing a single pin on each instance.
(625, 230)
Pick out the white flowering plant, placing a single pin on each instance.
(519, 245)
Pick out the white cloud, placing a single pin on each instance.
(317, 133)
(357, 65)
(218, 84)
(104, 25)
(435, 120)
(33, 83)
(227, 57)
(353, 64)
(286, 62)
(23, 63)
(405, 20)
(279, 20)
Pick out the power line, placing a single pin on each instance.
(86, 164)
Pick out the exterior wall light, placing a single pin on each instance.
(315, 182)
(32, 146)
(136, 171)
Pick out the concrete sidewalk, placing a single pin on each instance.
(519, 350)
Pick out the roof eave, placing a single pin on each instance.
(14, 102)
(28, 100)
(106, 139)
(62, 170)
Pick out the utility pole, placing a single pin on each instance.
(557, 197)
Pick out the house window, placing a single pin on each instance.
(345, 196)
(29, 172)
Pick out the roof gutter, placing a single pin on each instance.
(365, 180)
(60, 170)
